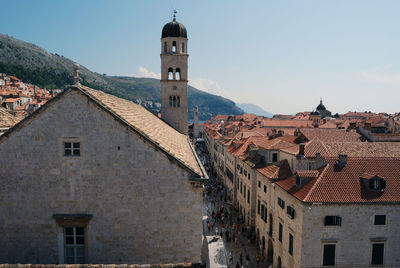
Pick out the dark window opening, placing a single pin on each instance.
(329, 255)
(258, 207)
(265, 188)
(274, 157)
(380, 220)
(290, 211)
(183, 47)
(333, 220)
(280, 232)
(72, 148)
(290, 244)
(281, 203)
(165, 47)
(377, 253)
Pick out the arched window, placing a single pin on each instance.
(178, 74)
(178, 101)
(174, 47)
(170, 74)
(174, 101)
(165, 47)
(183, 47)
(170, 101)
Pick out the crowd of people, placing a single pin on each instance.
(224, 220)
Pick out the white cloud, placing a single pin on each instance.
(143, 72)
(207, 85)
(383, 74)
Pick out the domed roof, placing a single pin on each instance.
(321, 107)
(174, 29)
(315, 113)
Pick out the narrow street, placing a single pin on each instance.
(224, 223)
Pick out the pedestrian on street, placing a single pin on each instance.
(241, 258)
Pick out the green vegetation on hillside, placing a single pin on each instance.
(37, 66)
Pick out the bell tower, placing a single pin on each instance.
(174, 75)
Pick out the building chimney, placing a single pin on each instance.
(342, 160)
(301, 149)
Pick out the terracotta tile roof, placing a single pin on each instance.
(287, 123)
(331, 135)
(353, 149)
(273, 171)
(342, 184)
(7, 120)
(329, 124)
(149, 126)
(307, 173)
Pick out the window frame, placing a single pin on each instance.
(323, 254)
(73, 148)
(336, 220)
(75, 246)
(291, 244)
(378, 222)
(383, 253)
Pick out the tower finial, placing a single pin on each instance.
(320, 101)
(175, 14)
(76, 73)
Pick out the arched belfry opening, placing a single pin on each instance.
(170, 74)
(174, 66)
(178, 74)
(173, 47)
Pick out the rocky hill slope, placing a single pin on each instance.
(35, 65)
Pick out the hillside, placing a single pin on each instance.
(35, 65)
(253, 109)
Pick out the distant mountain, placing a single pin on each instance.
(35, 65)
(253, 109)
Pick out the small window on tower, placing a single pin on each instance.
(178, 101)
(170, 101)
(165, 47)
(174, 101)
(174, 47)
(183, 47)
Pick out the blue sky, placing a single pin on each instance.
(281, 55)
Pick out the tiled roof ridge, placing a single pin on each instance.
(318, 179)
(86, 91)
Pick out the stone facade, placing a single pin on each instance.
(143, 207)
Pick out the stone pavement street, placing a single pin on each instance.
(242, 245)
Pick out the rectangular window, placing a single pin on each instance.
(248, 176)
(265, 214)
(262, 212)
(244, 194)
(258, 207)
(291, 244)
(329, 255)
(280, 232)
(333, 220)
(265, 188)
(241, 187)
(259, 184)
(248, 196)
(380, 220)
(72, 148)
(74, 245)
(245, 172)
(377, 253)
(274, 157)
(290, 211)
(281, 203)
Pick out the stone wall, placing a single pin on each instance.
(354, 238)
(143, 207)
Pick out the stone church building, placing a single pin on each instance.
(92, 178)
